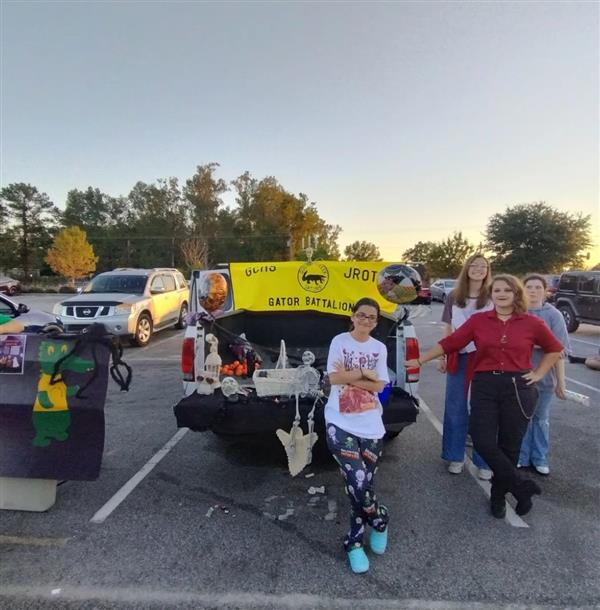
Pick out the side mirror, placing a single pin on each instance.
(22, 308)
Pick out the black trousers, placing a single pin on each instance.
(498, 422)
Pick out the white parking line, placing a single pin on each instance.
(511, 516)
(137, 478)
(146, 597)
(585, 385)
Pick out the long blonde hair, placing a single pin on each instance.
(461, 291)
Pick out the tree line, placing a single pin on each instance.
(166, 223)
(532, 237)
(185, 225)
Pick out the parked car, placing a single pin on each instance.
(578, 298)
(440, 289)
(30, 318)
(134, 303)
(423, 296)
(9, 286)
(289, 306)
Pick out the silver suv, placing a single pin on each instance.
(130, 302)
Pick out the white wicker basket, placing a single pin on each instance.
(279, 381)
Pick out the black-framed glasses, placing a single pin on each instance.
(363, 316)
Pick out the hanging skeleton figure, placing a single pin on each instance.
(298, 446)
(208, 379)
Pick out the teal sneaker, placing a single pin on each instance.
(359, 562)
(378, 541)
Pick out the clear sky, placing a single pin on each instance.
(403, 121)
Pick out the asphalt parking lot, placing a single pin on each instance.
(216, 523)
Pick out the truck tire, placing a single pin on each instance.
(569, 316)
(143, 331)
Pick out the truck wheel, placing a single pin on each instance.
(143, 331)
(182, 313)
(443, 299)
(569, 316)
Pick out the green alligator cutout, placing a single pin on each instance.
(51, 416)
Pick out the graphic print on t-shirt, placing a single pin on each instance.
(353, 399)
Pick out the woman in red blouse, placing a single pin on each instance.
(503, 391)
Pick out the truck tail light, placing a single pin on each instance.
(412, 352)
(187, 359)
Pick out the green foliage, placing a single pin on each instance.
(162, 224)
(444, 258)
(421, 251)
(203, 194)
(362, 251)
(537, 237)
(71, 255)
(31, 221)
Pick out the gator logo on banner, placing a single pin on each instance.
(327, 286)
(313, 277)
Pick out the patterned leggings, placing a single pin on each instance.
(357, 458)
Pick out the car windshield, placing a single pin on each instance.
(129, 284)
(450, 283)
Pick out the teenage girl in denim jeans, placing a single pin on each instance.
(357, 368)
(503, 391)
(536, 442)
(470, 295)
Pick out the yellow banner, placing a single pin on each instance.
(328, 286)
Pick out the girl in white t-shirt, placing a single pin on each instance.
(357, 368)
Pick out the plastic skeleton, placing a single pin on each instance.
(208, 379)
(213, 360)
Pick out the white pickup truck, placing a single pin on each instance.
(305, 304)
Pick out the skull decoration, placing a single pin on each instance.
(229, 386)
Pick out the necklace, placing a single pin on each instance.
(503, 337)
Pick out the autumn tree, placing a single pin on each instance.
(71, 255)
(537, 237)
(270, 223)
(362, 251)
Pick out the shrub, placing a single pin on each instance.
(33, 288)
(67, 289)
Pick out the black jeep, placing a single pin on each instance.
(578, 298)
